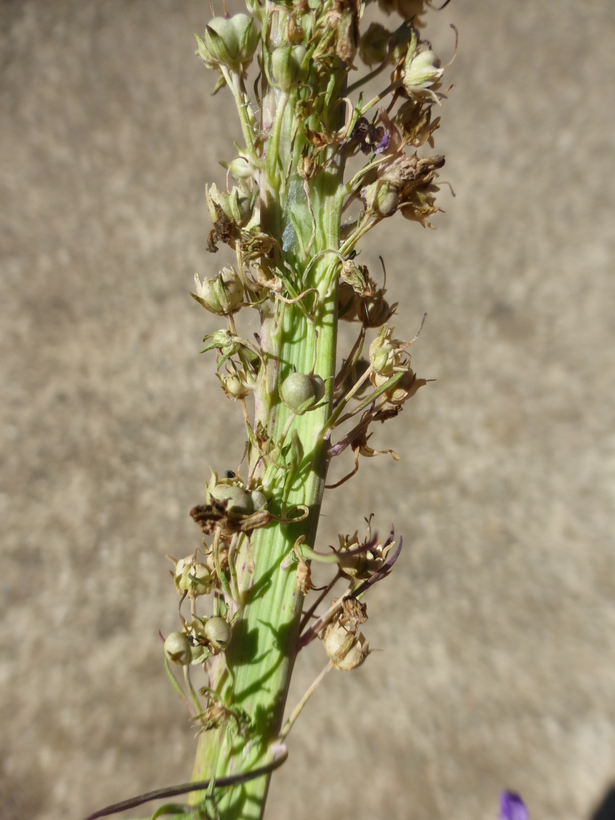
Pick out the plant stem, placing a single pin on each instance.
(265, 638)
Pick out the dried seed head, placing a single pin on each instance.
(414, 120)
(177, 648)
(403, 390)
(361, 565)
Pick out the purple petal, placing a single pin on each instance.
(383, 144)
(512, 807)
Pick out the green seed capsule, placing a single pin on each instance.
(231, 41)
(259, 499)
(218, 633)
(177, 648)
(239, 500)
(221, 295)
(299, 392)
(286, 64)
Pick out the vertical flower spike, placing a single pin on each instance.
(243, 608)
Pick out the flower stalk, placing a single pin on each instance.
(294, 219)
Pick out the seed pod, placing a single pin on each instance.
(234, 387)
(222, 295)
(355, 275)
(381, 198)
(230, 42)
(405, 388)
(286, 66)
(347, 302)
(200, 653)
(259, 499)
(374, 44)
(345, 649)
(299, 392)
(193, 578)
(241, 168)
(238, 500)
(408, 9)
(218, 633)
(237, 205)
(382, 352)
(421, 71)
(177, 648)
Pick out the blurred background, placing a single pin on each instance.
(497, 628)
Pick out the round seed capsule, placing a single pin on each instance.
(218, 633)
(239, 500)
(177, 648)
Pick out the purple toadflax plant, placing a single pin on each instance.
(294, 215)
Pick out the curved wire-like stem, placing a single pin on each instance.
(187, 788)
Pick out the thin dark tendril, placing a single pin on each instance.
(185, 788)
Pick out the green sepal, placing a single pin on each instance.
(220, 84)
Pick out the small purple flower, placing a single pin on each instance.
(383, 144)
(512, 807)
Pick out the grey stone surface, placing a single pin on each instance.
(498, 627)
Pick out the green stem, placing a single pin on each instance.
(265, 636)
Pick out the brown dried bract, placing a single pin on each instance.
(215, 516)
(223, 231)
